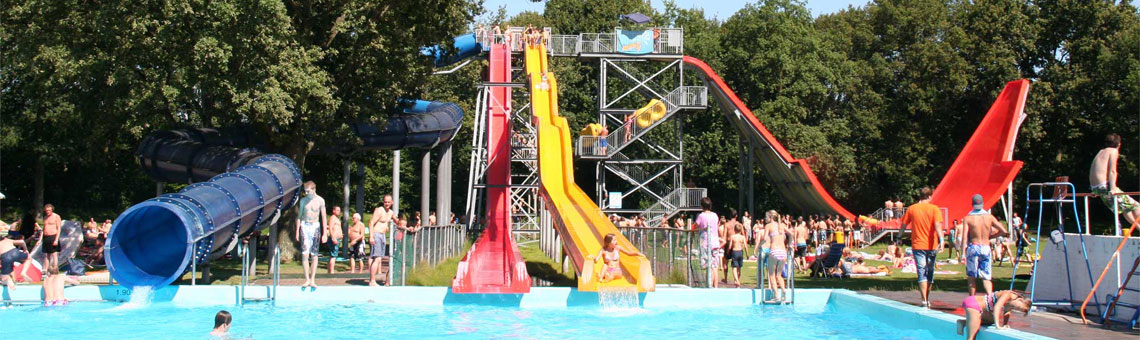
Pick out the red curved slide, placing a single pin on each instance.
(791, 176)
(986, 166)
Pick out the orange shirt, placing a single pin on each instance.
(921, 218)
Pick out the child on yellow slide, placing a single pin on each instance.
(611, 256)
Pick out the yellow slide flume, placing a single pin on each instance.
(578, 220)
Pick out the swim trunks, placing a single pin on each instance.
(1124, 203)
(356, 250)
(737, 258)
(334, 248)
(978, 261)
(50, 245)
(801, 249)
(8, 260)
(379, 247)
(309, 233)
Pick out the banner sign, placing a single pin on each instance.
(635, 42)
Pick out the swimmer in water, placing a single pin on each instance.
(221, 325)
(611, 254)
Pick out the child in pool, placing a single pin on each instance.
(611, 254)
(993, 308)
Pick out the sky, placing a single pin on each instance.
(721, 9)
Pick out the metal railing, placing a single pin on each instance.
(676, 201)
(597, 42)
(427, 246)
(672, 252)
(563, 45)
(667, 41)
(591, 146)
(670, 41)
(688, 96)
(630, 130)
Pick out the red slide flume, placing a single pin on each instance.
(494, 265)
(986, 166)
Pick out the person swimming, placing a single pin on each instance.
(994, 308)
(611, 255)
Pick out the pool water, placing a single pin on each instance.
(166, 320)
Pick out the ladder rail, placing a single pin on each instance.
(1061, 189)
(1115, 257)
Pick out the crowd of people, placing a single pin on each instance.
(315, 227)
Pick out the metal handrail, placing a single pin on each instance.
(679, 199)
(1115, 257)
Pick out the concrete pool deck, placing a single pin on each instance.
(1055, 325)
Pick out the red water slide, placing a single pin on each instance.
(986, 166)
(791, 176)
(494, 265)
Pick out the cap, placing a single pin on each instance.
(978, 202)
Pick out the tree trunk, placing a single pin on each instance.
(38, 180)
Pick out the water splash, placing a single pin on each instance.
(618, 299)
(140, 297)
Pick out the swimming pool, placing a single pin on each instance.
(431, 312)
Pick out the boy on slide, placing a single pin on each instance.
(611, 255)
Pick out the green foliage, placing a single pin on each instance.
(879, 98)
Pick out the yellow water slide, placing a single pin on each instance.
(579, 221)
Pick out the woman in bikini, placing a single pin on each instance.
(994, 308)
(611, 255)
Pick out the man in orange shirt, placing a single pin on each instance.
(925, 220)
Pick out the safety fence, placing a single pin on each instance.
(425, 246)
(674, 253)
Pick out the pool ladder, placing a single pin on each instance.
(249, 267)
(762, 270)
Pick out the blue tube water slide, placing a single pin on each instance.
(237, 189)
(464, 46)
(153, 243)
(424, 124)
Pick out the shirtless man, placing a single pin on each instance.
(979, 225)
(12, 250)
(333, 235)
(50, 238)
(776, 236)
(1102, 177)
(802, 233)
(105, 228)
(356, 243)
(379, 225)
(730, 229)
(736, 245)
(308, 230)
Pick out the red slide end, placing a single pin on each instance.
(986, 166)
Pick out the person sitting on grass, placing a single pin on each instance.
(860, 268)
(991, 309)
(611, 254)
